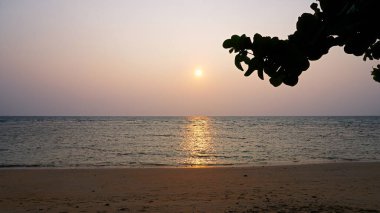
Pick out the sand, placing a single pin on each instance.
(335, 187)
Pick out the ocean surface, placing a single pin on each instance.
(64, 142)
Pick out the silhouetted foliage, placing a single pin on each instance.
(349, 23)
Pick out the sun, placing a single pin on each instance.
(198, 73)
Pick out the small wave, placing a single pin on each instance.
(123, 154)
(208, 164)
(225, 157)
(202, 156)
(24, 165)
(331, 158)
(152, 154)
(350, 159)
(154, 164)
(213, 156)
(160, 135)
(238, 138)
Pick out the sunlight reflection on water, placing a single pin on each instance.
(198, 141)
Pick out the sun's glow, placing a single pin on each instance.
(198, 73)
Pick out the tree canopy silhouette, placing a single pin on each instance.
(353, 24)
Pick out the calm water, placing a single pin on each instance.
(185, 141)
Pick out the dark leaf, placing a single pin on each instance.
(238, 60)
(246, 60)
(260, 73)
(376, 74)
(276, 81)
(250, 70)
(227, 44)
(235, 39)
(314, 6)
(291, 80)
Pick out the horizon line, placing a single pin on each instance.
(190, 115)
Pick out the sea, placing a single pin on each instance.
(193, 141)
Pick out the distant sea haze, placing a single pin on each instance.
(66, 142)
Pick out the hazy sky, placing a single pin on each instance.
(137, 57)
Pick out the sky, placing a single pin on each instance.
(138, 57)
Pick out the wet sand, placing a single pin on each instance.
(335, 187)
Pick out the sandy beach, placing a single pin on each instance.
(335, 187)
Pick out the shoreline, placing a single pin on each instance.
(351, 186)
(160, 166)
